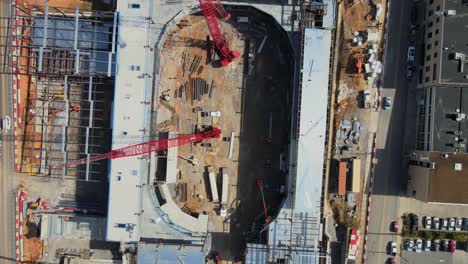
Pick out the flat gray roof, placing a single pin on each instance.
(455, 39)
(445, 102)
(132, 88)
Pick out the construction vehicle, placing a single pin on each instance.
(147, 147)
(209, 10)
(359, 64)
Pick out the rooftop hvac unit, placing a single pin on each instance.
(451, 12)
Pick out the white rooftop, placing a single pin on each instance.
(132, 88)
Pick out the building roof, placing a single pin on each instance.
(446, 184)
(296, 231)
(445, 127)
(313, 120)
(132, 88)
(454, 40)
(166, 253)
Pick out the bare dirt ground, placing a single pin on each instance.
(246, 104)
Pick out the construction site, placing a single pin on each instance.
(191, 128)
(250, 100)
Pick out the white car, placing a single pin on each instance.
(6, 122)
(427, 222)
(393, 248)
(418, 246)
(217, 113)
(458, 224)
(411, 53)
(427, 245)
(451, 224)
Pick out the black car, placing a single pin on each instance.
(445, 245)
(414, 221)
(465, 224)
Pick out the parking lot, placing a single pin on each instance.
(411, 205)
(459, 257)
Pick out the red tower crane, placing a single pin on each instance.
(265, 209)
(209, 9)
(147, 147)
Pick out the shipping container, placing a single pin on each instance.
(213, 186)
(225, 189)
(356, 183)
(342, 178)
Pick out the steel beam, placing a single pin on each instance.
(77, 15)
(46, 20)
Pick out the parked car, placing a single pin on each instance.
(395, 226)
(366, 99)
(451, 224)
(414, 222)
(458, 224)
(419, 245)
(436, 223)
(409, 244)
(427, 245)
(409, 72)
(393, 248)
(6, 122)
(411, 54)
(445, 245)
(436, 244)
(453, 246)
(387, 103)
(427, 222)
(444, 224)
(465, 224)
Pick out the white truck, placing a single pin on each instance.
(213, 186)
(224, 193)
(367, 100)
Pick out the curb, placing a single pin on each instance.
(16, 81)
(19, 223)
(369, 199)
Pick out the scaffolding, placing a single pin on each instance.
(66, 61)
(296, 241)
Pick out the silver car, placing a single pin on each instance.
(411, 53)
(444, 224)
(6, 121)
(451, 224)
(458, 224)
(435, 223)
(418, 246)
(427, 245)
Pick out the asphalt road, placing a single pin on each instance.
(390, 168)
(7, 215)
